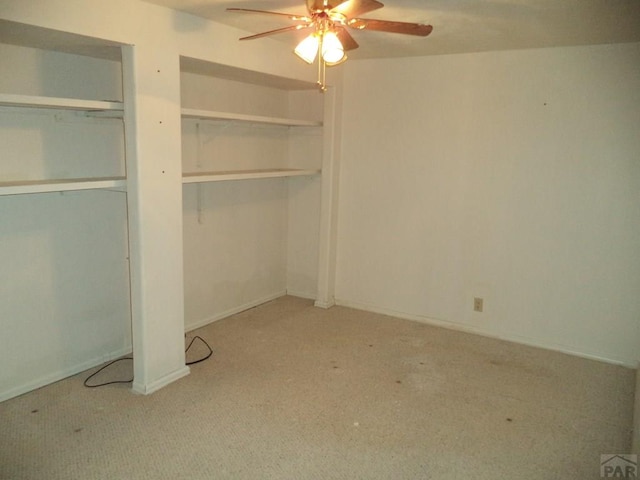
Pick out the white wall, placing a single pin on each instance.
(304, 193)
(303, 230)
(235, 248)
(512, 176)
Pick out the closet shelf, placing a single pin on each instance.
(63, 185)
(9, 100)
(222, 176)
(239, 117)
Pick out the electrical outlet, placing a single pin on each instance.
(478, 304)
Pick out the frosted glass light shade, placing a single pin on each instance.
(332, 49)
(307, 49)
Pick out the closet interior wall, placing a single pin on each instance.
(247, 241)
(64, 281)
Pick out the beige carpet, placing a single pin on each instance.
(297, 392)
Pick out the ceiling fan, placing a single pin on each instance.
(329, 21)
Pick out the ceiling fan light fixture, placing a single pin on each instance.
(332, 49)
(339, 62)
(307, 49)
(331, 21)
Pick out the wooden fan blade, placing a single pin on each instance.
(353, 8)
(278, 30)
(347, 41)
(297, 18)
(391, 27)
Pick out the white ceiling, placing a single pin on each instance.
(460, 26)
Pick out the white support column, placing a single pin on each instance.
(151, 80)
(325, 297)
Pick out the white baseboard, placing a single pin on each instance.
(234, 310)
(148, 388)
(305, 295)
(62, 374)
(325, 305)
(476, 331)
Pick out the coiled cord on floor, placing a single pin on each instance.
(197, 337)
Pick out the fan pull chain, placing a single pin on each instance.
(322, 68)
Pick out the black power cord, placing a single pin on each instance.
(197, 337)
(86, 382)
